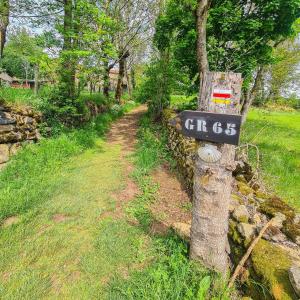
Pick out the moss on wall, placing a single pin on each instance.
(271, 264)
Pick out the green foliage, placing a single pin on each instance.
(161, 77)
(180, 102)
(284, 75)
(21, 53)
(155, 89)
(13, 65)
(239, 37)
(171, 276)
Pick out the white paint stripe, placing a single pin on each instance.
(217, 91)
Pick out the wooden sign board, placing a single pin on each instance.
(212, 127)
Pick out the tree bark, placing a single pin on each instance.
(132, 75)
(68, 65)
(129, 88)
(202, 15)
(106, 81)
(4, 22)
(36, 79)
(213, 184)
(250, 95)
(212, 181)
(122, 62)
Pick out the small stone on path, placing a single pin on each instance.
(11, 221)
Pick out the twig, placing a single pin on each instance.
(247, 255)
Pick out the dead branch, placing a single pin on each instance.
(247, 255)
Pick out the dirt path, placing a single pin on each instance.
(123, 132)
(70, 246)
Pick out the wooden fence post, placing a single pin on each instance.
(221, 93)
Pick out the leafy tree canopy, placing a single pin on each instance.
(240, 33)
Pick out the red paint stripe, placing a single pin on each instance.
(226, 96)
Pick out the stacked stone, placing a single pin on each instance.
(183, 149)
(276, 259)
(18, 126)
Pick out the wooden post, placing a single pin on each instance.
(213, 181)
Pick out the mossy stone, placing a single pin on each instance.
(271, 264)
(261, 195)
(292, 230)
(237, 198)
(275, 205)
(241, 178)
(244, 189)
(234, 233)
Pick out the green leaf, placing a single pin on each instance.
(204, 287)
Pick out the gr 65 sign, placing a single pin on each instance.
(219, 128)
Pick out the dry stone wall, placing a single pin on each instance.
(182, 148)
(18, 126)
(274, 267)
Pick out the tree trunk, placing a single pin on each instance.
(36, 79)
(119, 90)
(202, 15)
(4, 21)
(212, 181)
(129, 89)
(250, 95)
(213, 184)
(132, 75)
(106, 81)
(68, 67)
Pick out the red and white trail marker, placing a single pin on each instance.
(222, 96)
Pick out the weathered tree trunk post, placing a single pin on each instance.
(213, 181)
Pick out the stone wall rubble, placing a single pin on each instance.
(18, 126)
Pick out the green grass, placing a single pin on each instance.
(19, 96)
(169, 274)
(277, 134)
